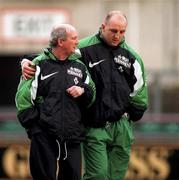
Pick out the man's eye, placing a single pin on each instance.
(113, 31)
(73, 38)
(122, 31)
(116, 31)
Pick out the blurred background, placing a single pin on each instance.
(153, 32)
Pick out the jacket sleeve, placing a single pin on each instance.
(25, 98)
(89, 95)
(139, 96)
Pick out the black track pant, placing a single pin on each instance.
(43, 159)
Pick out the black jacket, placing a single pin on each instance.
(52, 108)
(119, 77)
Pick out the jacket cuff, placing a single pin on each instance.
(87, 96)
(135, 112)
(28, 117)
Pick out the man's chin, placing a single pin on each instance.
(73, 51)
(115, 43)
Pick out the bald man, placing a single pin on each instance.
(121, 98)
(50, 107)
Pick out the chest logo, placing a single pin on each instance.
(75, 72)
(47, 76)
(122, 61)
(91, 65)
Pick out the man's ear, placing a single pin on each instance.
(102, 26)
(60, 42)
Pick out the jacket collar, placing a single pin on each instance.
(48, 52)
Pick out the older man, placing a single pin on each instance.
(50, 107)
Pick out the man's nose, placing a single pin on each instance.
(77, 41)
(117, 35)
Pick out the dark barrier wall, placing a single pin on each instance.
(147, 162)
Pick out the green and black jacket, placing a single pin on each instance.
(44, 104)
(120, 79)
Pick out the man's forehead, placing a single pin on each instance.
(117, 26)
(117, 20)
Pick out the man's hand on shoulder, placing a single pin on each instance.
(28, 69)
